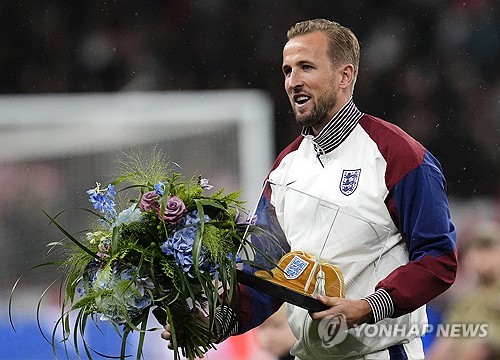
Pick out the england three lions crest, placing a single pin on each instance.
(295, 268)
(349, 181)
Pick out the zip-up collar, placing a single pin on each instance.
(336, 131)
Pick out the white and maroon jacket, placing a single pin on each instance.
(377, 174)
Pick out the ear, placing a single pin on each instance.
(347, 76)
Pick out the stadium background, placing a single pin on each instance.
(430, 67)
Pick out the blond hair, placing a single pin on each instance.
(343, 46)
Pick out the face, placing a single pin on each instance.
(312, 84)
(484, 263)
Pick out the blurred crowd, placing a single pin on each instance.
(429, 66)
(473, 299)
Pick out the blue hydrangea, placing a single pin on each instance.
(180, 244)
(91, 271)
(134, 299)
(128, 216)
(193, 218)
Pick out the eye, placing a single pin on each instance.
(307, 67)
(287, 71)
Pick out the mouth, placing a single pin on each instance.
(301, 99)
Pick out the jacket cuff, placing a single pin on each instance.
(226, 318)
(381, 303)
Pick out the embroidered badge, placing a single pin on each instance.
(349, 181)
(295, 267)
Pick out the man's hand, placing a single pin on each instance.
(356, 312)
(166, 334)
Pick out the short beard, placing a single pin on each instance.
(320, 113)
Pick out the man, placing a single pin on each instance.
(372, 170)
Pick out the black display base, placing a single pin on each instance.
(281, 292)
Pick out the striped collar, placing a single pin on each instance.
(337, 129)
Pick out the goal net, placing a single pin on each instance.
(53, 147)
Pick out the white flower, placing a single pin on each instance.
(205, 185)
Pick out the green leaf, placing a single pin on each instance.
(69, 236)
(14, 287)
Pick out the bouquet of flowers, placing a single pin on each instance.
(170, 251)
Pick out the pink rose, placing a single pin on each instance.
(149, 201)
(174, 210)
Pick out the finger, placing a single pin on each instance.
(167, 327)
(166, 335)
(328, 301)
